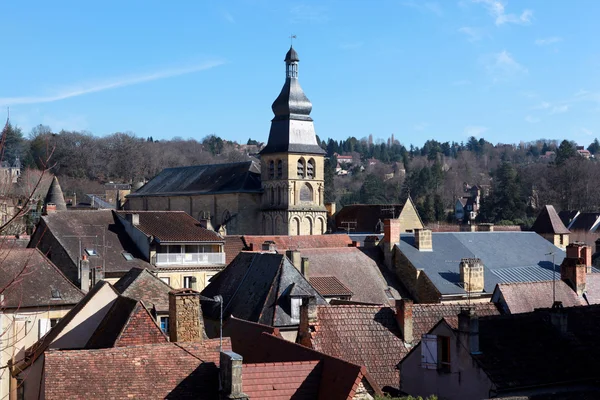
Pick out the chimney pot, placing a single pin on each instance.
(404, 317)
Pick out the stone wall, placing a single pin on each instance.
(185, 321)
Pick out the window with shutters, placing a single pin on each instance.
(429, 352)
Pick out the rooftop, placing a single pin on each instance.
(141, 284)
(329, 286)
(172, 226)
(524, 297)
(255, 242)
(548, 221)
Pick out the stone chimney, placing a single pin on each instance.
(305, 264)
(404, 318)
(308, 317)
(468, 329)
(391, 236)
(230, 375)
(133, 218)
(50, 208)
(471, 274)
(294, 256)
(423, 240)
(84, 270)
(269, 247)
(186, 323)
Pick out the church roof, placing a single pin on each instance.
(241, 177)
(291, 55)
(55, 196)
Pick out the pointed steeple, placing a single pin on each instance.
(292, 129)
(55, 196)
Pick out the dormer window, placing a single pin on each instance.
(296, 302)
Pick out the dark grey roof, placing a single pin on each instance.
(548, 221)
(567, 216)
(55, 196)
(204, 179)
(292, 129)
(291, 55)
(141, 284)
(256, 287)
(98, 202)
(507, 257)
(587, 221)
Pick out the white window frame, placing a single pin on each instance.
(43, 327)
(296, 302)
(166, 280)
(187, 279)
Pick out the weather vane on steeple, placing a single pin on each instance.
(292, 37)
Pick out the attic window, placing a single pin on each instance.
(55, 294)
(127, 256)
(91, 252)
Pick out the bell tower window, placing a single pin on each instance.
(310, 168)
(271, 169)
(279, 168)
(301, 168)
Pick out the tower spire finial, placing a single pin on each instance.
(292, 37)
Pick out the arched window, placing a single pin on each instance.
(271, 169)
(301, 167)
(306, 193)
(279, 168)
(310, 169)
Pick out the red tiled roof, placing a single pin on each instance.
(172, 226)
(363, 335)
(254, 243)
(425, 316)
(234, 245)
(298, 380)
(329, 286)
(527, 296)
(155, 371)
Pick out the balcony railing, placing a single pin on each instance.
(189, 258)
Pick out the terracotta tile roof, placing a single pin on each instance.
(548, 221)
(29, 279)
(141, 284)
(329, 286)
(172, 226)
(363, 335)
(369, 335)
(355, 268)
(234, 245)
(281, 381)
(254, 243)
(154, 371)
(527, 296)
(256, 344)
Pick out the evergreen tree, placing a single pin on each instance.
(13, 143)
(565, 151)
(594, 147)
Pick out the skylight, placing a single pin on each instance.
(91, 252)
(127, 256)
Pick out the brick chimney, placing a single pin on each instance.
(308, 317)
(423, 240)
(391, 236)
(84, 270)
(404, 318)
(186, 323)
(50, 208)
(468, 329)
(230, 375)
(471, 274)
(573, 272)
(581, 250)
(294, 256)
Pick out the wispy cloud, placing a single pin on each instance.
(587, 132)
(228, 17)
(544, 105)
(352, 45)
(502, 66)
(421, 126)
(462, 82)
(114, 83)
(430, 7)
(473, 34)
(497, 9)
(548, 41)
(532, 120)
(306, 13)
(474, 130)
(560, 109)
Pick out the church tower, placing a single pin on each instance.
(292, 164)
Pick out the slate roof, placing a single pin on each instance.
(29, 279)
(329, 286)
(172, 226)
(55, 196)
(364, 335)
(141, 284)
(587, 221)
(241, 177)
(367, 216)
(88, 226)
(355, 269)
(255, 242)
(256, 287)
(548, 221)
(527, 296)
(154, 371)
(527, 350)
(567, 216)
(592, 286)
(507, 257)
(281, 381)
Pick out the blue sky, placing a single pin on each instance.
(508, 71)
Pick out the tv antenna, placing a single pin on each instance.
(391, 209)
